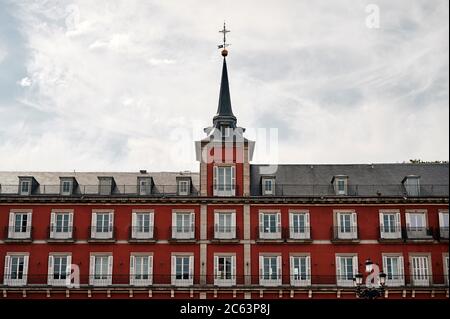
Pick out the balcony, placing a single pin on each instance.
(270, 280)
(61, 234)
(299, 234)
(390, 234)
(419, 233)
(269, 234)
(223, 234)
(19, 234)
(345, 234)
(143, 234)
(102, 234)
(182, 233)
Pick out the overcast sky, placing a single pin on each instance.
(128, 85)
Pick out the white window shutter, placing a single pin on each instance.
(307, 220)
(408, 220)
(11, 225)
(93, 225)
(111, 222)
(308, 268)
(355, 265)
(193, 223)
(291, 268)
(52, 224)
(25, 268)
(29, 221)
(233, 177)
(69, 266)
(441, 219)
(398, 224)
(174, 221)
(215, 179)
(233, 224)
(401, 270)
(132, 262)
(70, 222)
(191, 267)
(279, 267)
(381, 219)
(173, 270)
(6, 274)
(150, 267)
(261, 267)
(152, 223)
(354, 221)
(291, 221)
(278, 222)
(216, 267)
(233, 269)
(91, 269)
(338, 268)
(110, 268)
(50, 269)
(261, 221)
(133, 225)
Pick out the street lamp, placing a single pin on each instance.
(370, 291)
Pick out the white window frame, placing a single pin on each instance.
(54, 234)
(12, 234)
(182, 282)
(145, 186)
(417, 232)
(95, 234)
(7, 280)
(270, 282)
(445, 264)
(443, 228)
(421, 275)
(225, 282)
(394, 282)
(187, 230)
(28, 182)
(353, 224)
(135, 232)
(344, 282)
(305, 234)
(397, 233)
(141, 282)
(226, 191)
(263, 233)
(184, 186)
(51, 281)
(412, 186)
(296, 279)
(224, 231)
(68, 192)
(271, 181)
(101, 282)
(344, 180)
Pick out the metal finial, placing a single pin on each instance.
(225, 44)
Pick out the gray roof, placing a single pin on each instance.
(88, 182)
(363, 179)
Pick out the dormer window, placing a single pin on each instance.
(183, 186)
(26, 185)
(106, 185)
(145, 185)
(340, 184)
(67, 185)
(268, 185)
(412, 185)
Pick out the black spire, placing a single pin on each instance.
(224, 116)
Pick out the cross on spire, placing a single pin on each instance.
(225, 44)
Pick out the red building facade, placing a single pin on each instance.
(233, 230)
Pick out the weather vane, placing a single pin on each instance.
(225, 44)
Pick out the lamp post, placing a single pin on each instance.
(369, 290)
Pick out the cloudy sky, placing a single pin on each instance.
(129, 85)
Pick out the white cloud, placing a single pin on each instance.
(126, 84)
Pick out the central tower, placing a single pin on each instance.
(225, 154)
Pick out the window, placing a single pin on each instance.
(346, 269)
(183, 225)
(59, 268)
(102, 225)
(416, 225)
(346, 225)
(224, 180)
(412, 185)
(420, 269)
(19, 225)
(25, 186)
(270, 225)
(340, 184)
(300, 270)
(145, 186)
(224, 225)
(390, 225)
(16, 269)
(142, 225)
(182, 270)
(183, 187)
(393, 268)
(101, 270)
(66, 187)
(443, 225)
(270, 270)
(268, 186)
(61, 225)
(141, 270)
(224, 270)
(106, 185)
(299, 226)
